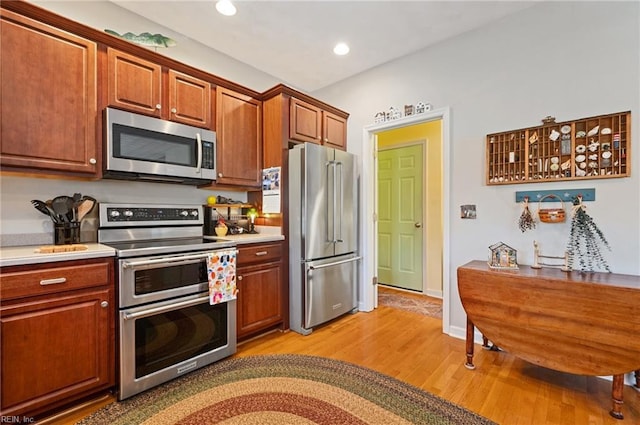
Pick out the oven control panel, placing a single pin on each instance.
(139, 215)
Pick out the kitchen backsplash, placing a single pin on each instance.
(22, 224)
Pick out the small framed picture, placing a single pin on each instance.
(467, 211)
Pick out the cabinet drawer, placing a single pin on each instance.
(259, 254)
(48, 280)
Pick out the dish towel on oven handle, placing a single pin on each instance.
(221, 269)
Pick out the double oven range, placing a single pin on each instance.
(166, 326)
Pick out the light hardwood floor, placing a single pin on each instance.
(412, 348)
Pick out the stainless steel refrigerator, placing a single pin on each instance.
(323, 272)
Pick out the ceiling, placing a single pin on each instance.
(293, 40)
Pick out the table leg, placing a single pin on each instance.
(469, 341)
(616, 396)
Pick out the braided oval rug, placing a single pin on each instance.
(284, 389)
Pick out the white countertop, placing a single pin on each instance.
(247, 238)
(265, 234)
(19, 255)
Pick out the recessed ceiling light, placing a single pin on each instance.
(341, 49)
(225, 7)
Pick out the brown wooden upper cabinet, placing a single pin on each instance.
(239, 138)
(48, 98)
(142, 86)
(309, 123)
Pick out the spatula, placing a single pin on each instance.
(44, 209)
(85, 207)
(60, 205)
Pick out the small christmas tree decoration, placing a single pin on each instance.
(585, 241)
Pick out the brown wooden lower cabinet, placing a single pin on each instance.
(57, 347)
(260, 292)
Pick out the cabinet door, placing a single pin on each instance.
(189, 100)
(134, 84)
(239, 138)
(48, 100)
(259, 297)
(55, 350)
(305, 122)
(334, 131)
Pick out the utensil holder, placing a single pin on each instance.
(66, 233)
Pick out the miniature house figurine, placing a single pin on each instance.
(502, 256)
(422, 107)
(408, 110)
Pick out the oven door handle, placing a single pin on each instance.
(164, 309)
(174, 260)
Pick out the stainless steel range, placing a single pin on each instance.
(166, 325)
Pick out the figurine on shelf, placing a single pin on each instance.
(548, 119)
(221, 227)
(252, 214)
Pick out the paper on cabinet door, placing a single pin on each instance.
(271, 190)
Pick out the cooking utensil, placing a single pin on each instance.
(46, 210)
(85, 207)
(77, 199)
(60, 205)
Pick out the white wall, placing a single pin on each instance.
(566, 59)
(102, 14)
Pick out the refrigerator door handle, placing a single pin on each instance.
(331, 212)
(341, 209)
(337, 263)
(335, 201)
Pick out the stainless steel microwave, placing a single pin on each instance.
(138, 147)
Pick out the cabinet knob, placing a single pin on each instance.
(239, 277)
(326, 140)
(104, 304)
(174, 110)
(92, 161)
(219, 174)
(158, 106)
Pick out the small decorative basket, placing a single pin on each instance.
(551, 215)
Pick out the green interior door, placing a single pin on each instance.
(400, 215)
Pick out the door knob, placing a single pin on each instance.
(418, 225)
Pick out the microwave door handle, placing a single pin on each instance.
(199, 160)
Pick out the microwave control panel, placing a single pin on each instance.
(208, 156)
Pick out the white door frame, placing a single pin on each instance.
(368, 225)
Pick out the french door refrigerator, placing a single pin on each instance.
(323, 272)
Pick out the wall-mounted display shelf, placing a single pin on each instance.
(587, 148)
